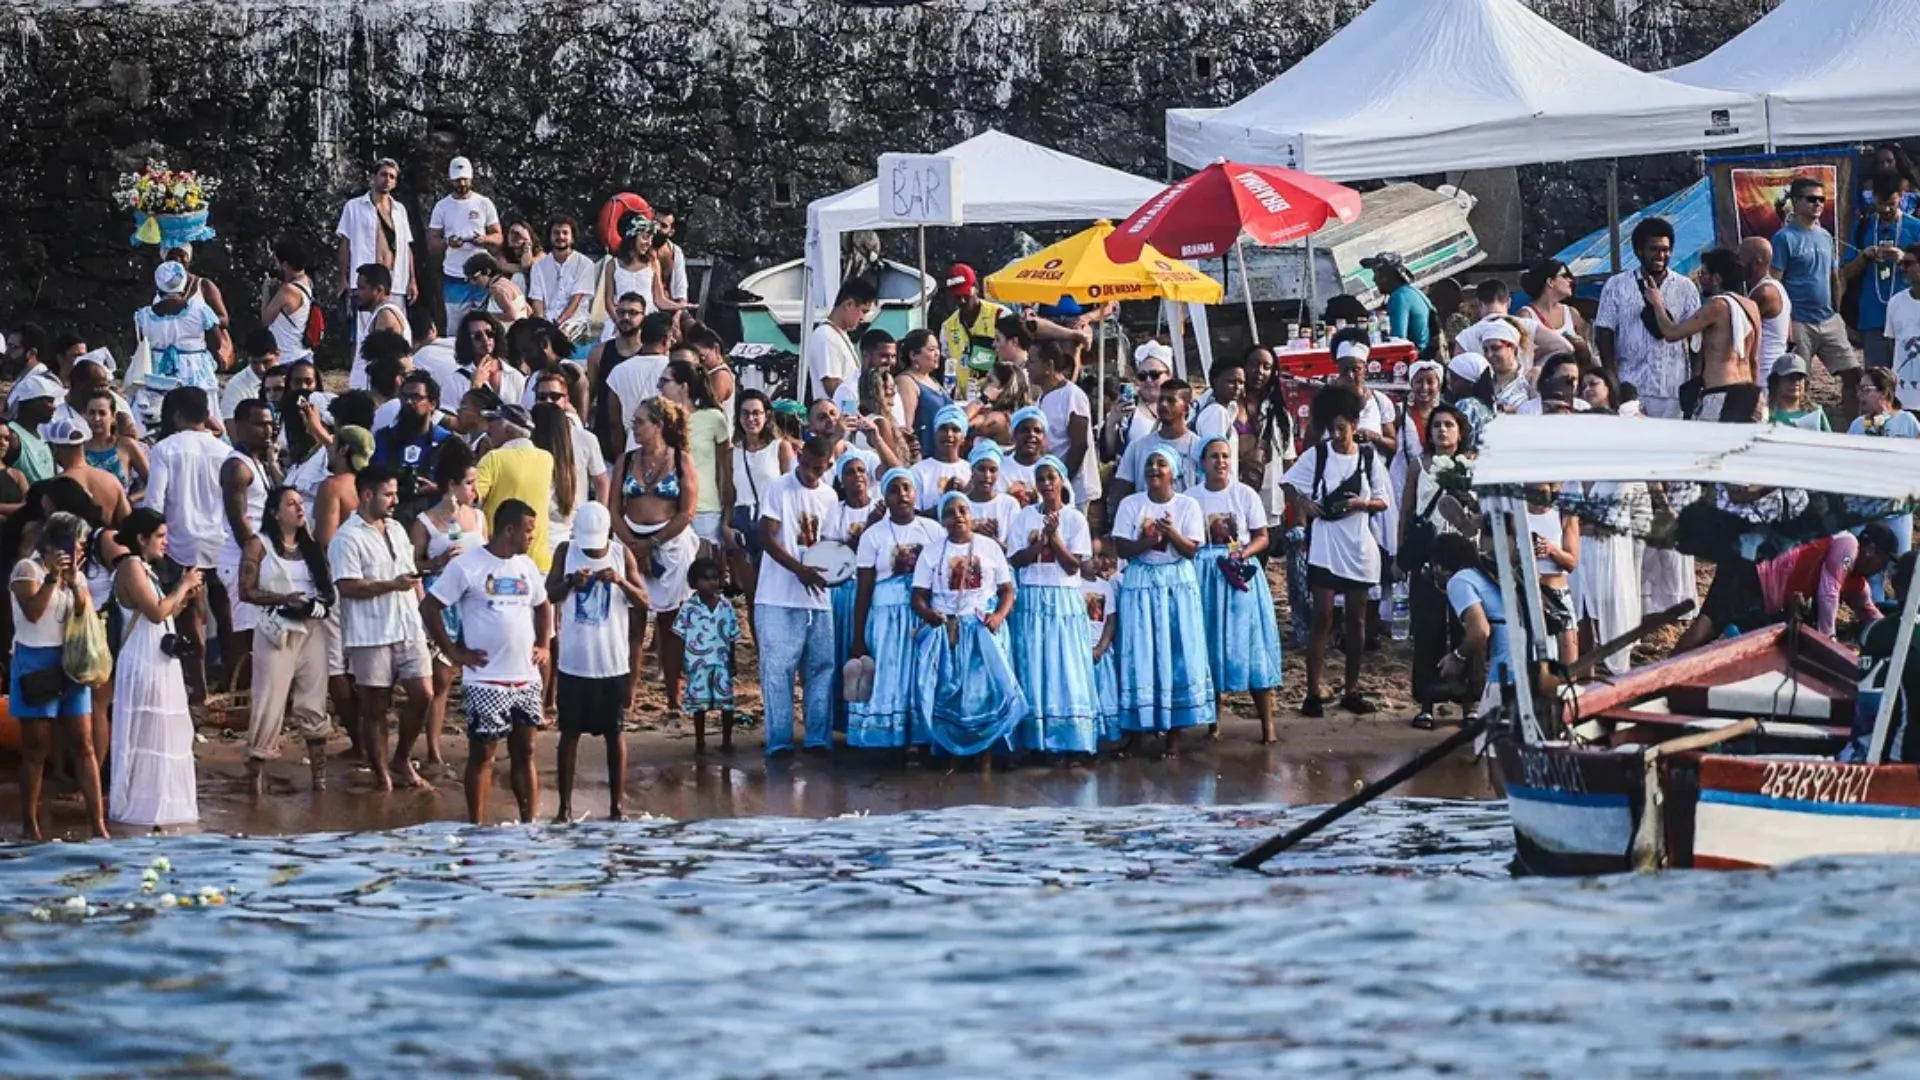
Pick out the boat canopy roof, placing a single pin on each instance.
(1518, 450)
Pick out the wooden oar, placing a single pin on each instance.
(1469, 730)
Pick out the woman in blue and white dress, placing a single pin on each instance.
(966, 695)
(991, 507)
(889, 551)
(1243, 638)
(182, 334)
(1165, 684)
(1051, 653)
(844, 526)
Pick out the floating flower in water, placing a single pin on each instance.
(168, 900)
(149, 875)
(161, 865)
(76, 905)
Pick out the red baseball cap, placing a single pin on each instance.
(961, 280)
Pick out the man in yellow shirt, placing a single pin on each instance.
(967, 335)
(517, 469)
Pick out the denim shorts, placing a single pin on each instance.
(74, 699)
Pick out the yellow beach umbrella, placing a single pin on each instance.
(1080, 267)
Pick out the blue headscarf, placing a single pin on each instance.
(1049, 461)
(951, 496)
(951, 415)
(896, 473)
(1168, 452)
(984, 449)
(841, 463)
(1021, 416)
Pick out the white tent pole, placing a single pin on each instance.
(1896, 669)
(1246, 288)
(1313, 285)
(920, 284)
(1613, 213)
(1100, 361)
(806, 329)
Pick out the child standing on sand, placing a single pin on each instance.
(708, 625)
(1103, 628)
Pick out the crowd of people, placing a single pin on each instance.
(933, 547)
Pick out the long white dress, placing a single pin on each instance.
(153, 781)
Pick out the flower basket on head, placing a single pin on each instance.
(169, 208)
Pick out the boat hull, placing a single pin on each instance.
(1574, 810)
(1767, 811)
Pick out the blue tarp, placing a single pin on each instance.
(1689, 209)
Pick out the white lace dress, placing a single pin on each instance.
(153, 781)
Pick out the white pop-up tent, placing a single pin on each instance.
(1832, 70)
(1426, 86)
(1002, 180)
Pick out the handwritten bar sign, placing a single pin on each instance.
(920, 189)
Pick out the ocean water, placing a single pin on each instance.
(970, 942)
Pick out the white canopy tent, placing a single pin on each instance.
(1426, 86)
(1832, 71)
(1002, 180)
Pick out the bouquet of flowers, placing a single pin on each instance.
(170, 206)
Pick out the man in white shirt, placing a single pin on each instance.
(1627, 335)
(462, 224)
(1069, 424)
(793, 614)
(379, 310)
(183, 485)
(92, 373)
(831, 357)
(262, 351)
(1903, 327)
(560, 285)
(372, 562)
(634, 378)
(505, 623)
(374, 228)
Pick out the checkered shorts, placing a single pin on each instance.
(495, 709)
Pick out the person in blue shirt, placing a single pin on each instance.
(411, 444)
(1475, 599)
(1805, 260)
(1878, 239)
(1408, 309)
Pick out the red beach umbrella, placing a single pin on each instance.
(1205, 214)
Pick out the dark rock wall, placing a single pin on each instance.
(712, 107)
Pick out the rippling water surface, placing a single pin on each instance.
(967, 943)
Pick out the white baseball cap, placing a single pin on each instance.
(592, 524)
(63, 432)
(460, 169)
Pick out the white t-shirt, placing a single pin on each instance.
(932, 479)
(849, 523)
(52, 627)
(634, 382)
(891, 550)
(1029, 523)
(593, 621)
(1133, 463)
(436, 358)
(241, 385)
(1179, 513)
(1217, 420)
(1060, 406)
(994, 518)
(1017, 480)
(183, 483)
(964, 579)
(1347, 547)
(1098, 596)
(802, 514)
(830, 355)
(359, 552)
(1903, 332)
(496, 598)
(555, 284)
(467, 219)
(1231, 515)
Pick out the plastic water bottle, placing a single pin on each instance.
(1402, 626)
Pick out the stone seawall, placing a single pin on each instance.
(735, 112)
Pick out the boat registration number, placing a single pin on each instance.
(1815, 781)
(1551, 772)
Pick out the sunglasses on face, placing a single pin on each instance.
(480, 331)
(1814, 199)
(1152, 374)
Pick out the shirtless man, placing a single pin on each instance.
(68, 441)
(1729, 328)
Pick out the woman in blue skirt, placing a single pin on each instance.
(889, 551)
(1164, 681)
(849, 520)
(966, 695)
(991, 509)
(1243, 638)
(1103, 635)
(1051, 654)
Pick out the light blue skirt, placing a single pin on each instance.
(967, 698)
(1243, 636)
(842, 596)
(1164, 681)
(882, 722)
(1054, 663)
(1106, 679)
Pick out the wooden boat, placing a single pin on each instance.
(772, 303)
(1721, 758)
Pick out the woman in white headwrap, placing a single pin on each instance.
(180, 334)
